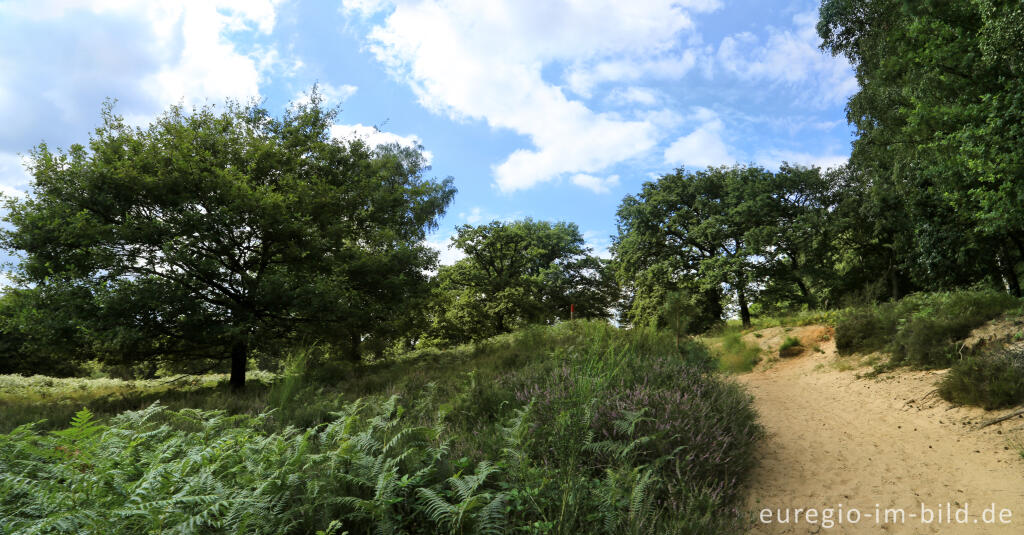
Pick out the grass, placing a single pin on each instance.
(735, 355)
(580, 427)
(54, 401)
(790, 347)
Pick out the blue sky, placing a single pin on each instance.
(547, 109)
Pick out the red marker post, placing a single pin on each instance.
(572, 310)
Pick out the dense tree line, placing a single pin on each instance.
(214, 237)
(932, 197)
(939, 152)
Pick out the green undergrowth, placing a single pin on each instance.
(734, 354)
(796, 319)
(575, 428)
(993, 380)
(921, 330)
(790, 347)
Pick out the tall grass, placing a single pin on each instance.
(579, 427)
(735, 355)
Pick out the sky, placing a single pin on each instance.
(549, 109)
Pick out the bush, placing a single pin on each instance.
(863, 330)
(922, 329)
(991, 381)
(737, 356)
(790, 347)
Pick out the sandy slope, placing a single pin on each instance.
(835, 439)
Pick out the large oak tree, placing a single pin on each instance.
(208, 234)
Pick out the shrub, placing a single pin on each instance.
(922, 329)
(864, 330)
(737, 356)
(790, 347)
(992, 381)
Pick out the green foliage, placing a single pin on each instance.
(735, 355)
(515, 274)
(36, 339)
(790, 347)
(763, 237)
(579, 427)
(922, 329)
(206, 235)
(992, 381)
(938, 156)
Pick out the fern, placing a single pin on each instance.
(481, 510)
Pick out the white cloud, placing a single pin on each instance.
(595, 184)
(373, 137)
(447, 254)
(14, 179)
(774, 158)
(364, 7)
(474, 216)
(583, 78)
(703, 146)
(791, 57)
(635, 95)
(599, 243)
(61, 59)
(484, 61)
(332, 94)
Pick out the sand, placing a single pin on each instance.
(838, 441)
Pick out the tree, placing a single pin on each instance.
(938, 117)
(518, 273)
(206, 235)
(794, 234)
(691, 231)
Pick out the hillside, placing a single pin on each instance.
(834, 439)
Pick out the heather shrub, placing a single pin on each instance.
(865, 329)
(993, 381)
(922, 329)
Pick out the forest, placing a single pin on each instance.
(531, 386)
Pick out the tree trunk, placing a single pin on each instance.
(741, 296)
(894, 282)
(239, 356)
(1009, 273)
(804, 291)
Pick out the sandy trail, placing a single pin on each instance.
(835, 439)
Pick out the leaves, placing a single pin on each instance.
(209, 231)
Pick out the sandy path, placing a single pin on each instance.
(834, 439)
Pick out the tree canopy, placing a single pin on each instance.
(208, 234)
(742, 231)
(938, 116)
(518, 273)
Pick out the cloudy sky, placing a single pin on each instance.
(549, 109)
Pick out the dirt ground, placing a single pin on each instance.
(837, 443)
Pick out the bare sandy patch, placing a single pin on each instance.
(873, 444)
